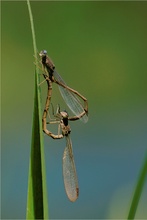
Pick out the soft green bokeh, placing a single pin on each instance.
(100, 49)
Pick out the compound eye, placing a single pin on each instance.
(45, 52)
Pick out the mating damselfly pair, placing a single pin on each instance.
(73, 100)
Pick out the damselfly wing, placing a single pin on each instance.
(69, 172)
(71, 99)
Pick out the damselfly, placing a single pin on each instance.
(68, 165)
(70, 96)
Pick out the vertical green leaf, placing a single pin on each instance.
(37, 205)
(138, 190)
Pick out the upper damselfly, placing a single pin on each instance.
(70, 96)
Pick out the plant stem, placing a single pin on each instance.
(37, 204)
(32, 28)
(138, 190)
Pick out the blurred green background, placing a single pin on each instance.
(100, 49)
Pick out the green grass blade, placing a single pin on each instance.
(138, 190)
(37, 205)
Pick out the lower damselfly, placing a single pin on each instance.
(68, 164)
(62, 118)
(70, 96)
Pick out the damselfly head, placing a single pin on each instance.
(64, 114)
(43, 53)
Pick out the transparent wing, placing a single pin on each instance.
(71, 99)
(69, 172)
